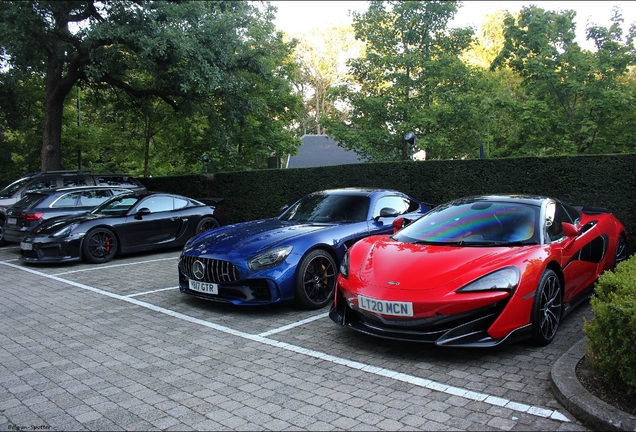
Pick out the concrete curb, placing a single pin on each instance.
(582, 404)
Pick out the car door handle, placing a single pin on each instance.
(174, 218)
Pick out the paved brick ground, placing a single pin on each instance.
(117, 347)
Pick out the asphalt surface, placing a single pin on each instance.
(118, 347)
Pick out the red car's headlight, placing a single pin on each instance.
(505, 279)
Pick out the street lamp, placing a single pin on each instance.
(206, 161)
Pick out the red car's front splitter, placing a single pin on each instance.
(464, 330)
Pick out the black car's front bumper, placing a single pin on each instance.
(51, 251)
(462, 330)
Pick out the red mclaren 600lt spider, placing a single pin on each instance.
(478, 271)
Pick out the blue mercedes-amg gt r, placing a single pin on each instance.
(294, 256)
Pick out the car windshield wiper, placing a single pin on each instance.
(514, 243)
(439, 243)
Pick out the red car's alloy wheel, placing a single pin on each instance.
(546, 310)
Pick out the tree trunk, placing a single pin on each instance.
(57, 88)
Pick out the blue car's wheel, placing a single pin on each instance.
(315, 280)
(546, 308)
(99, 246)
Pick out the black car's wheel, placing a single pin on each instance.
(2, 240)
(207, 223)
(621, 250)
(100, 246)
(546, 308)
(315, 280)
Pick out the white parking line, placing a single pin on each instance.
(151, 292)
(290, 326)
(101, 267)
(398, 376)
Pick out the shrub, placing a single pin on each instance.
(612, 332)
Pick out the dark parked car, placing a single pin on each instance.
(132, 222)
(54, 179)
(35, 207)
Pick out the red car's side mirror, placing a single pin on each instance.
(400, 223)
(569, 230)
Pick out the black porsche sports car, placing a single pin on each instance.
(130, 222)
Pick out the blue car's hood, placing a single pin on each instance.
(252, 237)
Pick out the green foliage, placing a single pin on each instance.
(612, 332)
(220, 64)
(410, 79)
(578, 95)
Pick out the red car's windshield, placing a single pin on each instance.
(476, 223)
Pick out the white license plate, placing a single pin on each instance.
(26, 246)
(204, 287)
(12, 221)
(385, 307)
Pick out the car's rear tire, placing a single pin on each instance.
(546, 308)
(621, 250)
(99, 246)
(315, 280)
(207, 223)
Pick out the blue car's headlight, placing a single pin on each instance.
(65, 231)
(505, 279)
(269, 259)
(344, 265)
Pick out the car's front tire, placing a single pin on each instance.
(546, 308)
(99, 246)
(315, 280)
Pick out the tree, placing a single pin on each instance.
(577, 95)
(409, 79)
(322, 54)
(181, 53)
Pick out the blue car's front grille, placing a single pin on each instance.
(215, 271)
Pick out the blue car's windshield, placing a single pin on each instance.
(475, 223)
(333, 208)
(118, 205)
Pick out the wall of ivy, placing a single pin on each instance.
(602, 181)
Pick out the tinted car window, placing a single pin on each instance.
(93, 198)
(328, 208)
(117, 205)
(398, 203)
(158, 204)
(29, 200)
(74, 181)
(555, 230)
(66, 200)
(117, 181)
(42, 184)
(477, 222)
(10, 190)
(180, 203)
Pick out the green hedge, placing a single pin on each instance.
(612, 332)
(604, 181)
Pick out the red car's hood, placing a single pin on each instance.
(407, 266)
